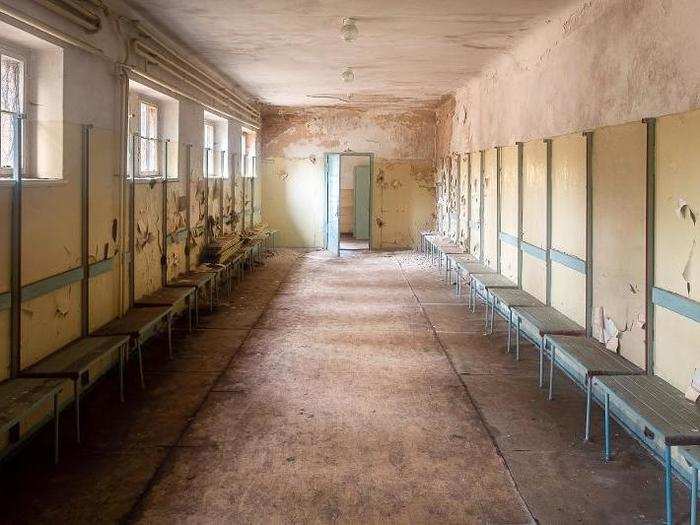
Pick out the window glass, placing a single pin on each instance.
(11, 104)
(209, 149)
(149, 138)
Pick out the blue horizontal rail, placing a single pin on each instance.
(533, 250)
(567, 260)
(56, 282)
(684, 306)
(509, 239)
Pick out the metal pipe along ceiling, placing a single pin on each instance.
(76, 13)
(192, 69)
(189, 76)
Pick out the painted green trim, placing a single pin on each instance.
(533, 250)
(688, 308)
(56, 282)
(589, 232)
(548, 261)
(521, 147)
(567, 260)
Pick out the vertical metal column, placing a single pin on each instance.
(188, 215)
(650, 242)
(469, 202)
(458, 158)
(85, 233)
(243, 206)
(16, 250)
(135, 153)
(252, 193)
(224, 157)
(498, 209)
(164, 222)
(234, 169)
(548, 252)
(520, 212)
(482, 156)
(207, 236)
(589, 232)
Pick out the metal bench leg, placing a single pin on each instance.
(55, 428)
(668, 476)
(459, 281)
(140, 357)
(589, 389)
(122, 352)
(189, 313)
(170, 336)
(76, 395)
(493, 311)
(510, 329)
(694, 497)
(606, 416)
(551, 372)
(486, 313)
(541, 361)
(211, 296)
(196, 307)
(517, 340)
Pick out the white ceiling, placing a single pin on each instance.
(290, 53)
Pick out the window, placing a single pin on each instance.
(12, 85)
(149, 139)
(209, 169)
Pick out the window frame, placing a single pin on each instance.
(154, 174)
(208, 124)
(15, 53)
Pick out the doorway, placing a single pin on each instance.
(349, 185)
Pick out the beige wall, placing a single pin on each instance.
(294, 144)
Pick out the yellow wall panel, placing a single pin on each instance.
(569, 292)
(490, 208)
(509, 190)
(619, 234)
(535, 277)
(676, 348)
(509, 261)
(535, 193)
(678, 181)
(148, 239)
(569, 195)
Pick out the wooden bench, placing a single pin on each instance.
(546, 321)
(585, 358)
(139, 324)
(21, 397)
(423, 246)
(74, 361)
(659, 415)
(467, 269)
(453, 260)
(691, 456)
(202, 281)
(178, 298)
(510, 297)
(486, 283)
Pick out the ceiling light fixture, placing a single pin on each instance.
(348, 75)
(349, 30)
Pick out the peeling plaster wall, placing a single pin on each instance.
(294, 144)
(582, 72)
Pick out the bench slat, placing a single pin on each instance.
(593, 356)
(515, 297)
(167, 296)
(474, 268)
(74, 358)
(661, 405)
(548, 320)
(19, 397)
(493, 280)
(136, 322)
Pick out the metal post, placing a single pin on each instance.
(243, 206)
(132, 219)
(548, 142)
(469, 202)
(459, 197)
(482, 156)
(520, 212)
(224, 156)
(188, 215)
(650, 242)
(207, 237)
(164, 256)
(252, 194)
(668, 477)
(16, 250)
(498, 208)
(234, 169)
(589, 232)
(85, 234)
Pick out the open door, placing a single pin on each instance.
(362, 189)
(333, 203)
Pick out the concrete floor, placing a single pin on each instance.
(336, 389)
